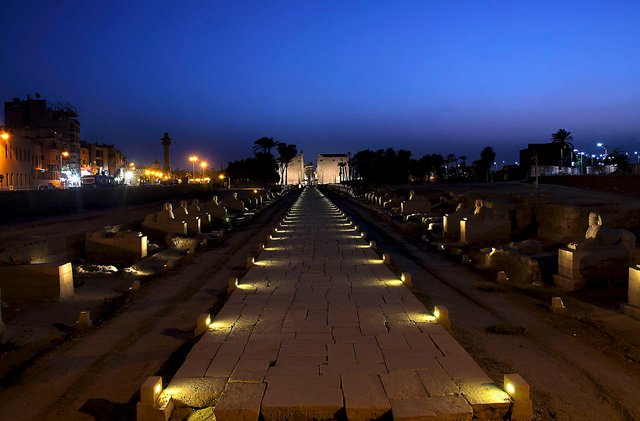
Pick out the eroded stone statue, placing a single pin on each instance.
(598, 235)
(165, 221)
(233, 204)
(415, 204)
(603, 254)
(215, 209)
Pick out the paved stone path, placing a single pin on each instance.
(320, 328)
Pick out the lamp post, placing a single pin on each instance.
(203, 165)
(193, 160)
(63, 155)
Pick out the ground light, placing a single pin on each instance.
(518, 389)
(442, 314)
(202, 324)
(233, 285)
(150, 407)
(405, 277)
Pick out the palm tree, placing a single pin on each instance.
(264, 145)
(287, 153)
(564, 138)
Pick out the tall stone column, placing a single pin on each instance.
(166, 144)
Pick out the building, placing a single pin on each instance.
(100, 158)
(294, 173)
(332, 168)
(545, 159)
(18, 158)
(57, 119)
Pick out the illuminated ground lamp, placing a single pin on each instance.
(386, 258)
(202, 323)
(84, 321)
(405, 277)
(372, 244)
(233, 285)
(260, 247)
(442, 314)
(557, 306)
(250, 262)
(135, 286)
(466, 259)
(518, 389)
(363, 235)
(150, 406)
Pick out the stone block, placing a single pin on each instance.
(364, 397)
(441, 408)
(240, 402)
(302, 397)
(368, 353)
(195, 392)
(193, 367)
(474, 230)
(37, 281)
(461, 367)
(437, 382)
(488, 401)
(403, 385)
(115, 246)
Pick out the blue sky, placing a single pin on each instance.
(427, 76)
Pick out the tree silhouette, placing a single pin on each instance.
(563, 138)
(487, 157)
(287, 153)
(262, 150)
(264, 145)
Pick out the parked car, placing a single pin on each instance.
(48, 186)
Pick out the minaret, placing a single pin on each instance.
(166, 143)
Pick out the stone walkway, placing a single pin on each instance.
(320, 328)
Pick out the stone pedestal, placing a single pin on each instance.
(415, 205)
(233, 204)
(632, 308)
(600, 263)
(473, 230)
(163, 226)
(44, 281)
(113, 247)
(193, 221)
(451, 224)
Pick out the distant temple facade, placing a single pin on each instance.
(295, 174)
(332, 168)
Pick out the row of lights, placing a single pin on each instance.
(514, 384)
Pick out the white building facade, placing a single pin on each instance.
(332, 168)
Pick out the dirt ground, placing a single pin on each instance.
(581, 365)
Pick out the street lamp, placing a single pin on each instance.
(4, 135)
(63, 155)
(203, 165)
(193, 160)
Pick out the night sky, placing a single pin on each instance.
(427, 76)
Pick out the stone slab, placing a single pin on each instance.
(364, 397)
(446, 408)
(302, 397)
(240, 402)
